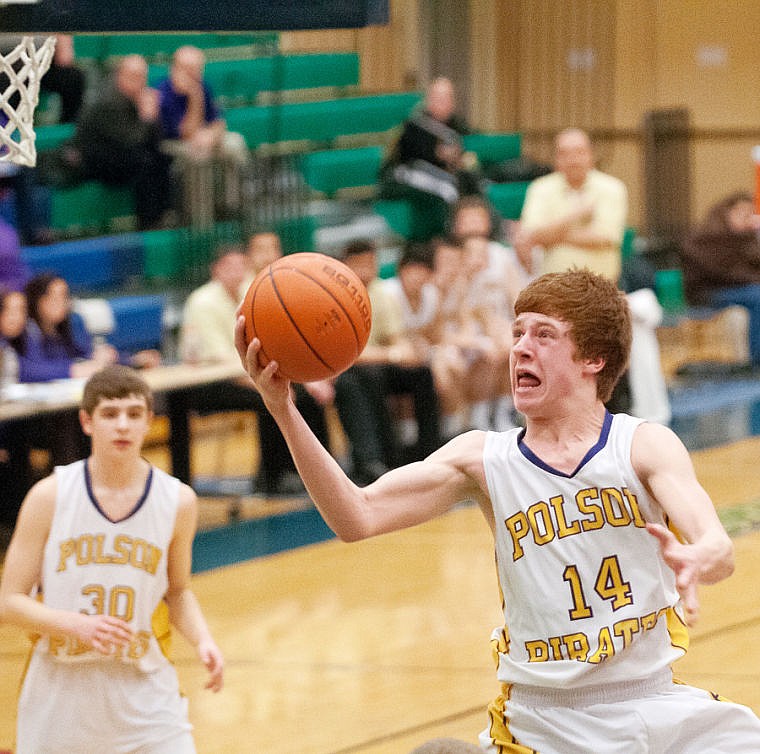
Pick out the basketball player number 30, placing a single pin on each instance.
(609, 585)
(120, 599)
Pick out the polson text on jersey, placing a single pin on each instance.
(544, 522)
(126, 550)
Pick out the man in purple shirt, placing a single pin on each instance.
(188, 112)
(197, 131)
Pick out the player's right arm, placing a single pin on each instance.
(403, 497)
(22, 574)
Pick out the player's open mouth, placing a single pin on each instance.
(526, 379)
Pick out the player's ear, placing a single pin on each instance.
(85, 420)
(596, 364)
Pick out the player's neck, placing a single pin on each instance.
(563, 431)
(117, 474)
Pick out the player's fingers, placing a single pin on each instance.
(118, 629)
(690, 603)
(215, 667)
(662, 534)
(240, 343)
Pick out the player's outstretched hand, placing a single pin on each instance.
(684, 560)
(103, 632)
(211, 656)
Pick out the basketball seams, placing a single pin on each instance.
(314, 313)
(251, 313)
(292, 321)
(328, 292)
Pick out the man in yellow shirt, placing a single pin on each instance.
(577, 214)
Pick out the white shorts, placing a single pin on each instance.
(655, 717)
(101, 706)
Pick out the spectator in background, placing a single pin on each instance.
(721, 262)
(193, 123)
(388, 366)
(207, 337)
(577, 214)
(56, 344)
(118, 141)
(13, 321)
(262, 249)
(13, 272)
(495, 278)
(15, 471)
(66, 79)
(428, 163)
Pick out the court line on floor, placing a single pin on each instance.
(411, 730)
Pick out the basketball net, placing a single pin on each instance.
(24, 67)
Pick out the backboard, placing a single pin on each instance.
(99, 16)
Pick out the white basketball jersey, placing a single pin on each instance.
(587, 597)
(118, 568)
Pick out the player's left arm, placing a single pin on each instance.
(184, 610)
(705, 553)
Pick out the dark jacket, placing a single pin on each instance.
(719, 260)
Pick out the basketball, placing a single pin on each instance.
(311, 314)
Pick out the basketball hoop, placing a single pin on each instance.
(24, 66)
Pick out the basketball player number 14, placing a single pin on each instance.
(609, 585)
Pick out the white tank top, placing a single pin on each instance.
(95, 565)
(587, 597)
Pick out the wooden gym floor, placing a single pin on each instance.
(377, 646)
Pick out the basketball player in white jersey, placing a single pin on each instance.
(597, 589)
(98, 566)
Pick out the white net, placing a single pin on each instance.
(23, 68)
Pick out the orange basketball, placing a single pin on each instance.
(311, 313)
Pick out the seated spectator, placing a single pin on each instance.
(13, 320)
(118, 141)
(262, 249)
(13, 272)
(15, 471)
(428, 163)
(66, 79)
(389, 366)
(56, 344)
(207, 335)
(721, 262)
(474, 338)
(496, 276)
(193, 123)
(472, 216)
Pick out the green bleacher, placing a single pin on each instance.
(321, 122)
(240, 81)
(330, 171)
(100, 47)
